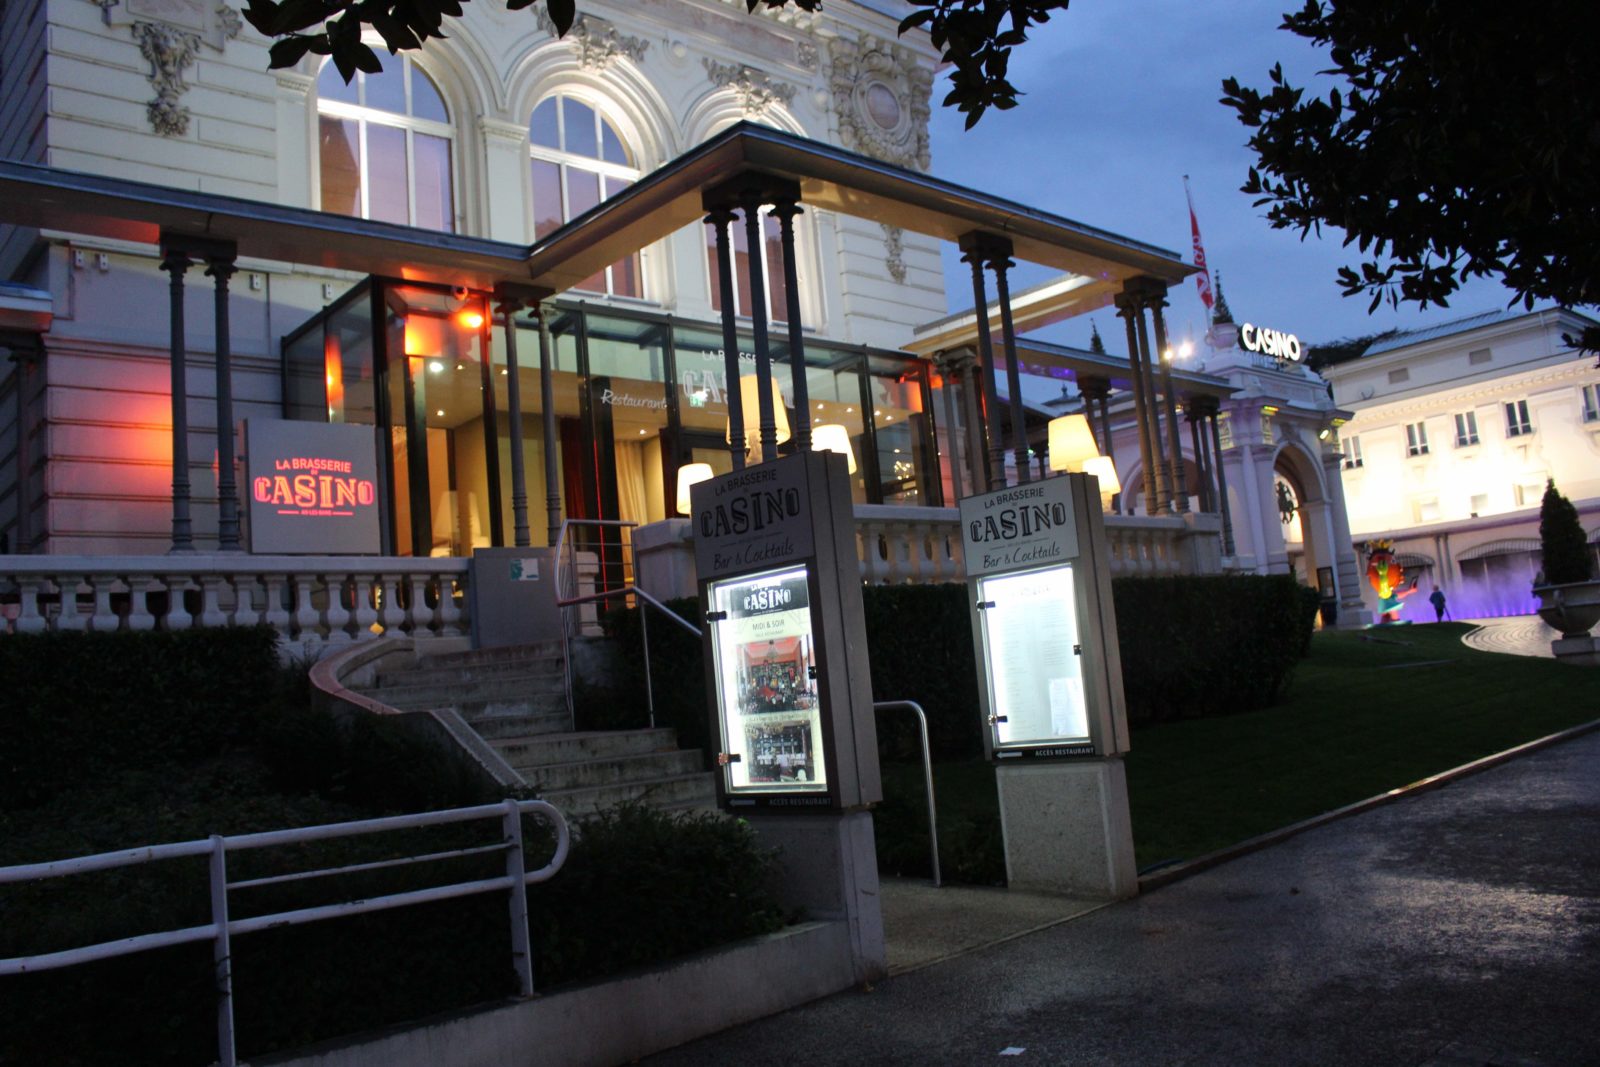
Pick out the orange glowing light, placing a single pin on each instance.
(333, 367)
(470, 320)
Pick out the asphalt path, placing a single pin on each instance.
(1458, 926)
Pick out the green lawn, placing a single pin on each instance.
(1367, 711)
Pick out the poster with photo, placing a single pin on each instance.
(767, 680)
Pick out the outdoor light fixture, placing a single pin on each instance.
(833, 437)
(470, 320)
(749, 403)
(1324, 433)
(1071, 443)
(1106, 473)
(688, 475)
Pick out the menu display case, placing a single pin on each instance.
(768, 709)
(1030, 636)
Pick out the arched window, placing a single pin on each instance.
(578, 160)
(385, 145)
(771, 253)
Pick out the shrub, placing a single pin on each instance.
(1196, 646)
(677, 674)
(85, 705)
(1562, 542)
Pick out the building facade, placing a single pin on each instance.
(1455, 431)
(503, 132)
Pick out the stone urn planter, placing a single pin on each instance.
(1573, 609)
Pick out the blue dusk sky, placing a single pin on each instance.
(1121, 102)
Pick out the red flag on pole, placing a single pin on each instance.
(1202, 280)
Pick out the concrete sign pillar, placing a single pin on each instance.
(1050, 682)
(791, 697)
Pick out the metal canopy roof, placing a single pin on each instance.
(655, 206)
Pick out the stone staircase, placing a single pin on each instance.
(514, 699)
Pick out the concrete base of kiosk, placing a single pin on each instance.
(1067, 828)
(827, 865)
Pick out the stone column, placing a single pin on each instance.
(176, 262)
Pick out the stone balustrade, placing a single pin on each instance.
(898, 545)
(314, 602)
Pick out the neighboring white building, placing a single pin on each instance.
(1455, 431)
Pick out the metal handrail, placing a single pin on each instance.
(221, 928)
(927, 777)
(564, 601)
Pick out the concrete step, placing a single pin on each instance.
(472, 710)
(619, 770)
(522, 751)
(540, 668)
(680, 791)
(454, 694)
(523, 726)
(480, 656)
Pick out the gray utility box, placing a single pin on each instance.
(512, 597)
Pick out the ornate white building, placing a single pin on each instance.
(1455, 431)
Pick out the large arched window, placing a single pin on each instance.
(771, 253)
(578, 160)
(385, 145)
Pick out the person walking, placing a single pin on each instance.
(1436, 598)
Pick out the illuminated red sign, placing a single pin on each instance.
(313, 487)
(321, 487)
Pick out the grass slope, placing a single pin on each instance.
(1367, 711)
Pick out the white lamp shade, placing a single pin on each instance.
(750, 404)
(833, 437)
(1106, 472)
(689, 474)
(1071, 443)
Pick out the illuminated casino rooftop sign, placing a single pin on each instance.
(313, 488)
(1270, 342)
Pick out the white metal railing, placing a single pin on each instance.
(608, 558)
(221, 928)
(311, 601)
(899, 545)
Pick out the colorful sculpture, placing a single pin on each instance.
(1386, 577)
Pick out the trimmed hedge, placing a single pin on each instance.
(82, 705)
(1190, 646)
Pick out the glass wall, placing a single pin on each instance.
(635, 397)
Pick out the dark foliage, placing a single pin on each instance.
(1562, 541)
(676, 674)
(974, 37)
(1457, 143)
(1205, 646)
(81, 706)
(236, 753)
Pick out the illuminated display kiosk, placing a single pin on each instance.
(788, 683)
(1050, 683)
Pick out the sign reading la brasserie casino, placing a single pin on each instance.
(312, 488)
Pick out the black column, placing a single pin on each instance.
(1128, 309)
(1155, 296)
(221, 270)
(547, 396)
(1001, 262)
(720, 219)
(994, 471)
(520, 536)
(750, 205)
(1163, 495)
(786, 210)
(1202, 461)
(176, 262)
(1222, 486)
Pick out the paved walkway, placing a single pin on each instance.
(1519, 635)
(1459, 926)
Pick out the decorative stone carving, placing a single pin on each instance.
(599, 43)
(169, 51)
(756, 90)
(895, 250)
(881, 96)
(169, 34)
(805, 55)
